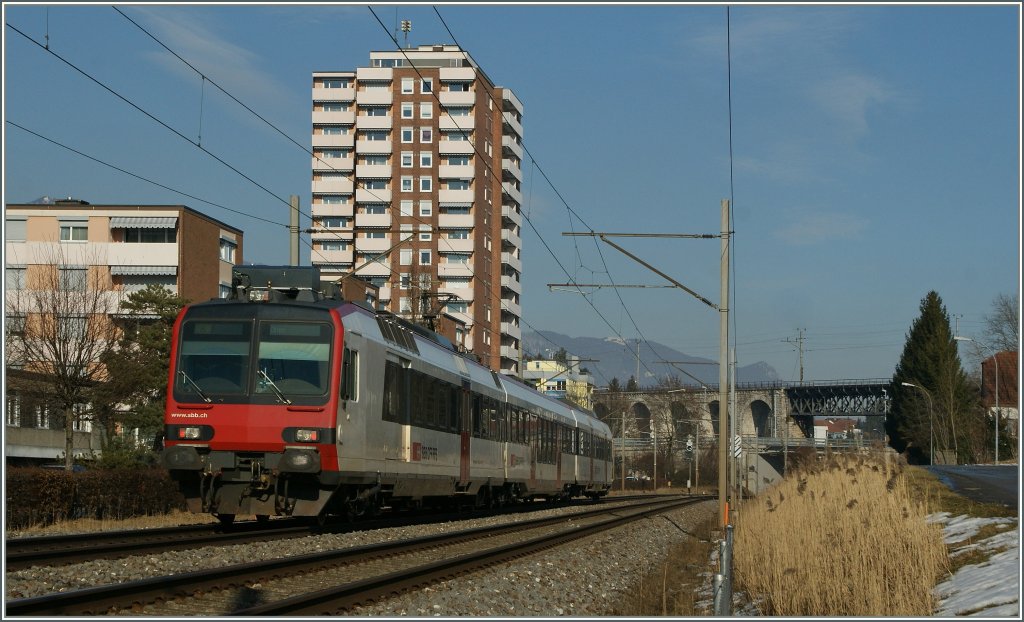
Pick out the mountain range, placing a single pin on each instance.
(617, 358)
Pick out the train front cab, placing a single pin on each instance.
(254, 439)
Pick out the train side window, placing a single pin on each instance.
(394, 395)
(349, 390)
(454, 411)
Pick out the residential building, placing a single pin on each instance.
(111, 250)
(1004, 366)
(561, 380)
(416, 188)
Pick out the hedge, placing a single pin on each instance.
(40, 497)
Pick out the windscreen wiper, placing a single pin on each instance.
(195, 386)
(273, 386)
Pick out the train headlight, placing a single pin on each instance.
(307, 436)
(189, 433)
(300, 461)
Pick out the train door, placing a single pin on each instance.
(465, 423)
(559, 431)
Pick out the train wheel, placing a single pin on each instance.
(226, 519)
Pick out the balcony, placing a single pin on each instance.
(455, 269)
(364, 195)
(455, 221)
(373, 146)
(332, 209)
(333, 186)
(447, 122)
(321, 256)
(455, 147)
(366, 122)
(510, 189)
(333, 165)
(375, 97)
(511, 260)
(321, 94)
(373, 245)
(510, 144)
(334, 117)
(375, 268)
(510, 352)
(378, 221)
(118, 254)
(512, 123)
(332, 235)
(447, 245)
(509, 305)
(512, 213)
(334, 140)
(464, 293)
(511, 167)
(511, 329)
(512, 283)
(510, 101)
(375, 74)
(373, 171)
(457, 98)
(510, 237)
(460, 171)
(457, 74)
(455, 196)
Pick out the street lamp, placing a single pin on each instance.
(931, 422)
(995, 359)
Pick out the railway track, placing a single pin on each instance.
(334, 581)
(23, 553)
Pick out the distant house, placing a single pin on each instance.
(111, 249)
(1002, 369)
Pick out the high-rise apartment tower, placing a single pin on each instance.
(417, 189)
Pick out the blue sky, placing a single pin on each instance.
(875, 150)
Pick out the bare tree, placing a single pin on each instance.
(1002, 325)
(63, 307)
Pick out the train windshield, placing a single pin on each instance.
(293, 358)
(221, 360)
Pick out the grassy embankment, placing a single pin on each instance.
(845, 537)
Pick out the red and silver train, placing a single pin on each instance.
(284, 402)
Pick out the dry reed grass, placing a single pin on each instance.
(844, 537)
(89, 525)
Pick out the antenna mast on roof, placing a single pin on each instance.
(406, 27)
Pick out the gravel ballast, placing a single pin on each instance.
(581, 579)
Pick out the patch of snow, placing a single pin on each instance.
(987, 589)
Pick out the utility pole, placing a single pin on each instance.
(293, 229)
(800, 346)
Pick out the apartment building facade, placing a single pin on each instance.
(416, 188)
(112, 249)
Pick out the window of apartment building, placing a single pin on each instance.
(426, 184)
(427, 86)
(426, 135)
(458, 160)
(375, 184)
(375, 85)
(227, 250)
(74, 230)
(406, 183)
(334, 106)
(407, 134)
(162, 235)
(376, 135)
(334, 222)
(376, 111)
(373, 208)
(333, 199)
(15, 324)
(405, 208)
(458, 234)
(405, 257)
(14, 277)
(458, 111)
(457, 184)
(426, 159)
(73, 279)
(375, 235)
(13, 409)
(404, 305)
(458, 87)
(425, 234)
(425, 257)
(72, 327)
(404, 280)
(462, 258)
(334, 130)
(426, 110)
(426, 208)
(458, 306)
(335, 83)
(375, 160)
(135, 283)
(407, 85)
(455, 282)
(455, 210)
(334, 245)
(407, 110)
(331, 154)
(15, 229)
(406, 159)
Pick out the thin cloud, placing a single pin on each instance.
(808, 227)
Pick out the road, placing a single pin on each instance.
(982, 482)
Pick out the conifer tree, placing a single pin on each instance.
(932, 414)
